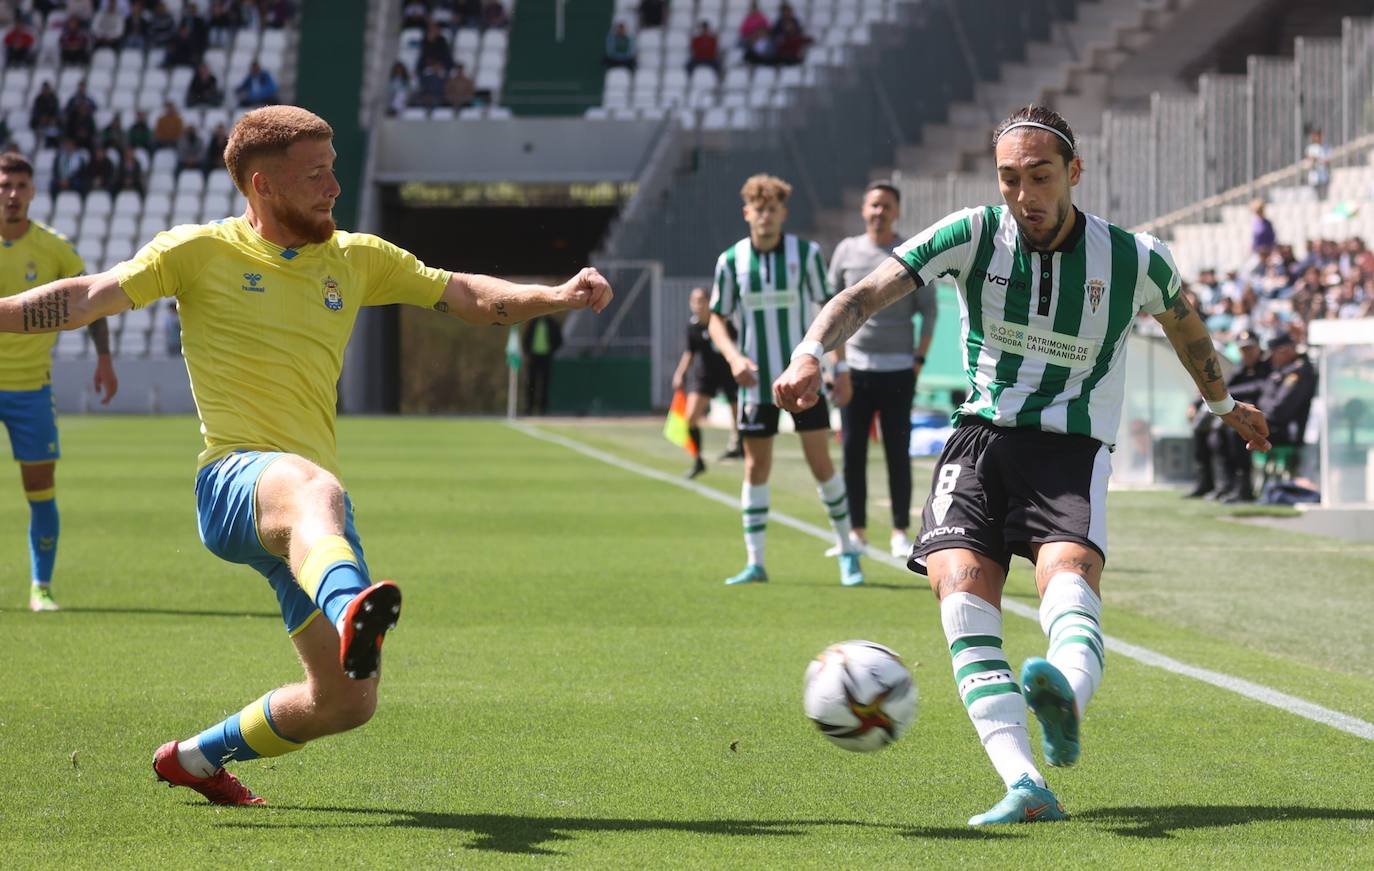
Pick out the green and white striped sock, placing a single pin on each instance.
(987, 684)
(1071, 615)
(836, 502)
(754, 511)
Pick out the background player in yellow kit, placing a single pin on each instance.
(32, 253)
(267, 302)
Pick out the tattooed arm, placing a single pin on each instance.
(1188, 334)
(65, 304)
(482, 299)
(798, 387)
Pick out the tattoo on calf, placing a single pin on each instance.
(48, 311)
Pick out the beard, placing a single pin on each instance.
(1046, 236)
(303, 224)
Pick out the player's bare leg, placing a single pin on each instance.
(830, 487)
(969, 587)
(301, 517)
(1059, 687)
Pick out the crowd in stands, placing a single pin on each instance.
(115, 156)
(780, 42)
(437, 78)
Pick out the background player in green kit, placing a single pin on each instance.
(770, 282)
(1047, 297)
(32, 253)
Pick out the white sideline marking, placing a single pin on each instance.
(1258, 692)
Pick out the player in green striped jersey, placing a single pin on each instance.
(1047, 297)
(771, 281)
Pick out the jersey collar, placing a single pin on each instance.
(271, 249)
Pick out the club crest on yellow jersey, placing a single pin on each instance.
(30, 271)
(333, 300)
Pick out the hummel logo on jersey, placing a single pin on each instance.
(252, 286)
(1003, 280)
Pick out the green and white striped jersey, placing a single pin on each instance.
(1044, 333)
(776, 294)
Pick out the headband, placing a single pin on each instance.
(1038, 125)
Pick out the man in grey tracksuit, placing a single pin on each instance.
(884, 360)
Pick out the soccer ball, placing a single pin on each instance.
(860, 695)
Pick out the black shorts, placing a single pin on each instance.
(711, 383)
(998, 490)
(761, 421)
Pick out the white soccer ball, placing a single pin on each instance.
(860, 695)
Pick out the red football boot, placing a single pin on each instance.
(220, 787)
(365, 623)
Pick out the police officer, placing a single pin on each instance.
(1221, 459)
(1286, 394)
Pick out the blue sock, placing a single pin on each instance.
(43, 529)
(248, 734)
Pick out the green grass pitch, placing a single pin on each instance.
(572, 687)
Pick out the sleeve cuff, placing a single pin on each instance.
(910, 270)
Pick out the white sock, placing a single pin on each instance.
(191, 759)
(987, 685)
(836, 502)
(754, 510)
(1071, 615)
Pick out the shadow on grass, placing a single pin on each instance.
(508, 833)
(1164, 821)
(165, 612)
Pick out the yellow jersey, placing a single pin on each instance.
(40, 255)
(263, 328)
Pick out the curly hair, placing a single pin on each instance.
(764, 188)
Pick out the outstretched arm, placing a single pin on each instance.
(798, 387)
(1188, 334)
(64, 304)
(483, 299)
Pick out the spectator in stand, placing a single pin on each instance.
(1318, 160)
(705, 48)
(494, 15)
(112, 135)
(1261, 230)
(107, 27)
(161, 26)
(195, 21)
(45, 111)
(251, 15)
(74, 43)
(460, 89)
(190, 150)
(68, 168)
(136, 26)
(620, 49)
(651, 13)
(19, 44)
(398, 89)
(415, 14)
(280, 13)
(80, 97)
(789, 46)
(181, 49)
(468, 13)
(224, 20)
(435, 49)
(6, 135)
(214, 148)
(140, 135)
(80, 126)
(203, 89)
(101, 172)
(430, 92)
(258, 88)
(81, 10)
(167, 130)
(129, 172)
(755, 36)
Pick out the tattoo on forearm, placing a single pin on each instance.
(840, 319)
(1201, 361)
(100, 335)
(441, 307)
(501, 311)
(48, 311)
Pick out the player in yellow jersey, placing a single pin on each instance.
(32, 253)
(267, 303)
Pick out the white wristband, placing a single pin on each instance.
(809, 347)
(840, 367)
(1222, 406)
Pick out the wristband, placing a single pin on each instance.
(809, 348)
(1221, 406)
(918, 360)
(840, 367)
